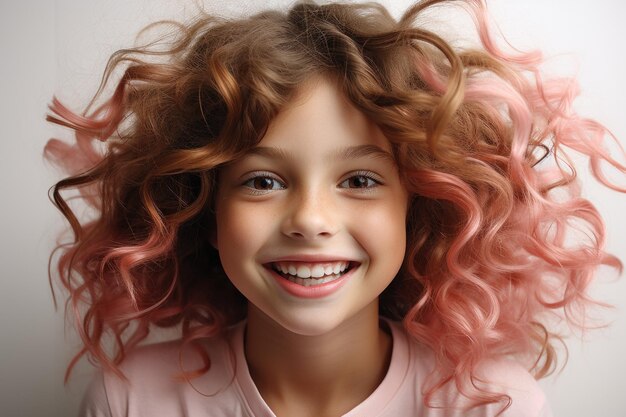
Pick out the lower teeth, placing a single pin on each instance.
(310, 282)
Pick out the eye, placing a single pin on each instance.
(361, 180)
(263, 183)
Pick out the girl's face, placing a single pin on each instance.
(311, 222)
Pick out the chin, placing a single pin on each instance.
(320, 320)
(310, 329)
(302, 321)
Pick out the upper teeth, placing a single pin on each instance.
(311, 270)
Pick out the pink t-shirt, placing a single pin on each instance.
(227, 390)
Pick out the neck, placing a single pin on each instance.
(326, 374)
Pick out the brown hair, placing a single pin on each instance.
(471, 286)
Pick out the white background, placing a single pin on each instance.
(60, 47)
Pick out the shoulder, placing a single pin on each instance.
(153, 381)
(504, 376)
(163, 362)
(509, 377)
(146, 369)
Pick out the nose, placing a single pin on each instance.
(310, 216)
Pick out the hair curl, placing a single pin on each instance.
(479, 136)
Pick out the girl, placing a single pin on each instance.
(340, 212)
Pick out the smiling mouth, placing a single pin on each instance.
(312, 274)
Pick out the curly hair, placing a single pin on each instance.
(480, 138)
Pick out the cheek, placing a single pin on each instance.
(232, 228)
(382, 233)
(241, 231)
(232, 240)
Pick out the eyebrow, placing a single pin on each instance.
(350, 152)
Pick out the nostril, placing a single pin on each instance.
(311, 235)
(309, 221)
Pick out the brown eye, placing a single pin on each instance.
(263, 183)
(360, 181)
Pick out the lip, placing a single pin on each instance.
(309, 258)
(314, 291)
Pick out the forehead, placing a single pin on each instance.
(320, 116)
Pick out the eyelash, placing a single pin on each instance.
(368, 175)
(249, 183)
